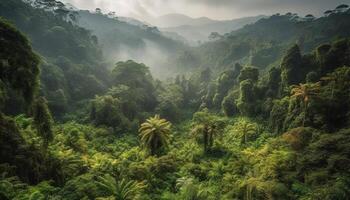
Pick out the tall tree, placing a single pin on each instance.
(206, 126)
(43, 121)
(249, 73)
(291, 67)
(155, 134)
(244, 129)
(18, 63)
(247, 98)
(304, 92)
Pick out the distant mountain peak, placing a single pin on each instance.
(177, 19)
(200, 31)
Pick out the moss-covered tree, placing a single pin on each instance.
(43, 121)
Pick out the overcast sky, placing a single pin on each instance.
(215, 9)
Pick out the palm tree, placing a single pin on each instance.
(207, 126)
(155, 134)
(208, 132)
(191, 189)
(244, 128)
(305, 92)
(122, 190)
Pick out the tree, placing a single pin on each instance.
(309, 17)
(170, 99)
(243, 129)
(19, 68)
(228, 105)
(274, 81)
(155, 134)
(246, 102)
(225, 82)
(207, 126)
(304, 92)
(191, 189)
(205, 76)
(249, 73)
(338, 77)
(98, 11)
(121, 190)
(214, 36)
(106, 110)
(342, 8)
(140, 82)
(291, 67)
(328, 12)
(278, 114)
(43, 120)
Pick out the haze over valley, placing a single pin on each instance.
(174, 100)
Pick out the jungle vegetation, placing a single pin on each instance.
(258, 114)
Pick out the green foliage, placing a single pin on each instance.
(138, 78)
(121, 190)
(191, 189)
(171, 99)
(249, 73)
(291, 67)
(261, 149)
(19, 65)
(305, 93)
(225, 82)
(229, 106)
(208, 127)
(246, 102)
(274, 81)
(278, 115)
(15, 151)
(71, 61)
(43, 120)
(244, 130)
(106, 110)
(155, 134)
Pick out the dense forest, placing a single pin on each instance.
(262, 112)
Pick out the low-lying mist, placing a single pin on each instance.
(150, 53)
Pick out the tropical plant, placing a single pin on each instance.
(207, 126)
(120, 190)
(190, 189)
(305, 92)
(339, 77)
(243, 129)
(155, 134)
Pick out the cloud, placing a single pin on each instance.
(216, 9)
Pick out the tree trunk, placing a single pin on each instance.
(205, 138)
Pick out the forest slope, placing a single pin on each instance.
(238, 133)
(263, 43)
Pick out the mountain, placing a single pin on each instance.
(199, 29)
(262, 44)
(173, 20)
(133, 21)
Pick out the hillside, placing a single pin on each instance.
(174, 20)
(263, 43)
(123, 41)
(262, 113)
(195, 32)
(72, 66)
